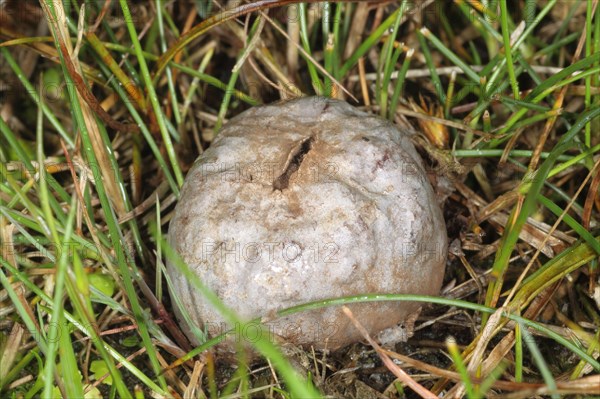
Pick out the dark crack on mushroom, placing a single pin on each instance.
(293, 163)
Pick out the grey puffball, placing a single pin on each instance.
(301, 201)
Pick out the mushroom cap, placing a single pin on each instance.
(306, 200)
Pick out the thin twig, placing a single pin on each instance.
(389, 363)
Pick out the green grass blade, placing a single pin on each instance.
(369, 298)
(471, 74)
(435, 77)
(160, 117)
(314, 76)
(533, 185)
(518, 354)
(160, 15)
(368, 43)
(571, 222)
(508, 49)
(540, 362)
(297, 385)
(35, 96)
(399, 86)
(461, 367)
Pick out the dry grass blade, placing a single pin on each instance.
(535, 233)
(532, 235)
(88, 102)
(129, 85)
(486, 335)
(442, 121)
(357, 29)
(305, 54)
(363, 82)
(86, 96)
(213, 21)
(194, 388)
(11, 350)
(593, 198)
(258, 48)
(558, 103)
(39, 47)
(79, 187)
(586, 385)
(394, 368)
(535, 256)
(7, 247)
(423, 72)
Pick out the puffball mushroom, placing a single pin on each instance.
(301, 201)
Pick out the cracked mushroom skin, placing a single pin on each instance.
(306, 200)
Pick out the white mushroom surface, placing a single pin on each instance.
(301, 201)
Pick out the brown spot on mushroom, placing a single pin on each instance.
(294, 204)
(380, 162)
